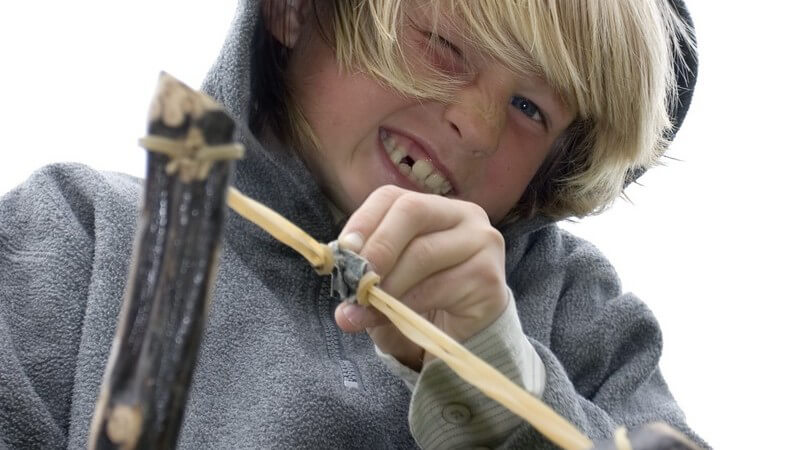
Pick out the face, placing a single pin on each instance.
(484, 146)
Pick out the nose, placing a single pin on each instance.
(477, 114)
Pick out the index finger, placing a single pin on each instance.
(391, 222)
(367, 217)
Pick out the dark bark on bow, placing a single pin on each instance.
(167, 298)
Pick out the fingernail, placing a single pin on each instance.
(352, 241)
(354, 314)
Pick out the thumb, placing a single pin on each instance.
(353, 318)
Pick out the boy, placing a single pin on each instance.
(489, 121)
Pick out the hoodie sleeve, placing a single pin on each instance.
(448, 412)
(46, 248)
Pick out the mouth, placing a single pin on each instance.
(414, 163)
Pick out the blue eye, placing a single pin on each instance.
(527, 107)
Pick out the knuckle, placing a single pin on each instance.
(481, 269)
(382, 195)
(488, 236)
(387, 191)
(492, 276)
(411, 204)
(361, 219)
(367, 216)
(488, 265)
(476, 211)
(494, 237)
(380, 253)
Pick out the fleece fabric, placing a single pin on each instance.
(274, 371)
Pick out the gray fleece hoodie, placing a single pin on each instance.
(274, 370)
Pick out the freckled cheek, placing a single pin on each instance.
(516, 162)
(339, 117)
(500, 188)
(507, 174)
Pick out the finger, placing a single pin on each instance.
(366, 218)
(473, 292)
(447, 290)
(354, 318)
(410, 215)
(428, 254)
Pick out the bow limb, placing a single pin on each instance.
(172, 273)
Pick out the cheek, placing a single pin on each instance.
(332, 100)
(342, 107)
(509, 171)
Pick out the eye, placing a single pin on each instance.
(527, 107)
(444, 43)
(436, 40)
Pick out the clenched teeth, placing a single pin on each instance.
(421, 172)
(421, 169)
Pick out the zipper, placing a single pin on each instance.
(351, 378)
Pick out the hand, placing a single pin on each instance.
(439, 256)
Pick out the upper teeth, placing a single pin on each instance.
(422, 172)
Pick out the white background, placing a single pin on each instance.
(710, 241)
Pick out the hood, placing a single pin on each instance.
(686, 68)
(229, 79)
(685, 64)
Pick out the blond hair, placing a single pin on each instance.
(611, 61)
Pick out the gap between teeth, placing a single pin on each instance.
(422, 172)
